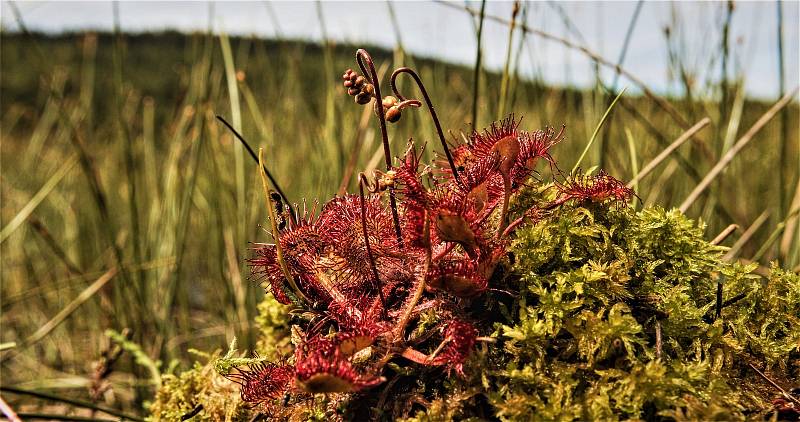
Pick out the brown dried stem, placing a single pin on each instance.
(273, 220)
(740, 144)
(774, 384)
(724, 234)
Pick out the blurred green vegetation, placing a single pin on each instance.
(112, 158)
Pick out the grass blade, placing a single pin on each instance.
(37, 199)
(597, 130)
(506, 68)
(71, 307)
(236, 117)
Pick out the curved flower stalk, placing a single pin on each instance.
(367, 67)
(431, 110)
(385, 281)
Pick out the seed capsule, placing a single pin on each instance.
(389, 101)
(363, 98)
(359, 82)
(393, 114)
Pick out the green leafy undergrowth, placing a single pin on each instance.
(204, 387)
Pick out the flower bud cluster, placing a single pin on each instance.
(392, 108)
(358, 87)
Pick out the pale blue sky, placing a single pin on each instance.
(435, 30)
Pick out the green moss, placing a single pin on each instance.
(596, 284)
(583, 344)
(273, 324)
(202, 386)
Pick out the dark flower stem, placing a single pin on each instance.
(432, 111)
(369, 72)
(266, 171)
(69, 401)
(362, 180)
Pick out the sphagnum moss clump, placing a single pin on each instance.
(471, 289)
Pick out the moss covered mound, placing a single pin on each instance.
(598, 312)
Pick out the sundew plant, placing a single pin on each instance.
(492, 285)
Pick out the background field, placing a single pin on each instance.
(127, 205)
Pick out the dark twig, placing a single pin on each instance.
(368, 70)
(73, 402)
(734, 299)
(428, 102)
(362, 180)
(55, 417)
(774, 384)
(658, 340)
(193, 413)
(266, 170)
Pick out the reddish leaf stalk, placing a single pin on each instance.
(411, 304)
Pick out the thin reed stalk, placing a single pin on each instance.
(784, 148)
(663, 104)
(507, 66)
(130, 164)
(596, 131)
(620, 61)
(236, 119)
(634, 162)
(37, 198)
(773, 236)
(724, 234)
(477, 72)
(71, 307)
